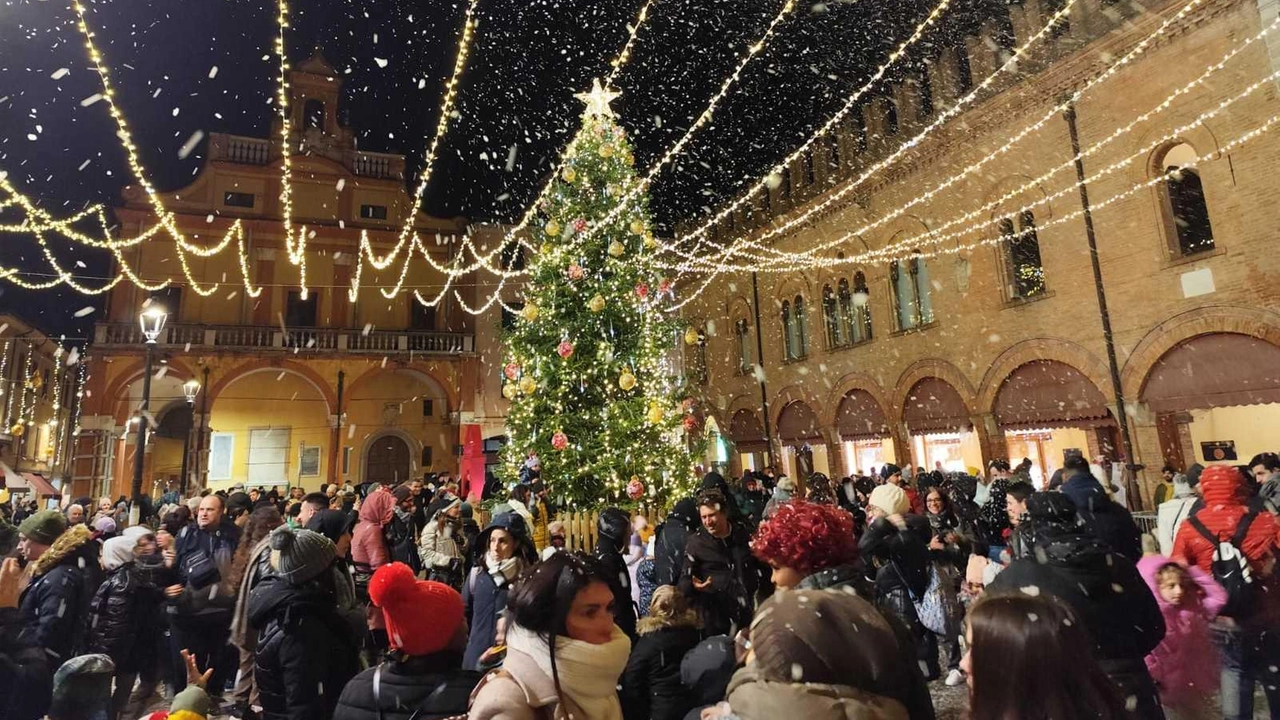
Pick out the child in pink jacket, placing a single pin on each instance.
(1185, 664)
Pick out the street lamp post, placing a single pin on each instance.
(190, 389)
(152, 323)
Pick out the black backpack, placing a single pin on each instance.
(1230, 566)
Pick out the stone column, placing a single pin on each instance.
(264, 275)
(990, 438)
(1146, 448)
(835, 454)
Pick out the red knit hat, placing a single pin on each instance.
(422, 616)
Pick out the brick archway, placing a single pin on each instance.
(266, 365)
(1050, 349)
(116, 389)
(790, 394)
(1255, 322)
(828, 411)
(921, 369)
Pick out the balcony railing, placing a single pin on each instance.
(236, 338)
(239, 149)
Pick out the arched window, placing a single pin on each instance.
(833, 142)
(1024, 272)
(912, 293)
(802, 338)
(833, 318)
(742, 334)
(1189, 229)
(860, 319)
(810, 170)
(313, 114)
(848, 313)
(788, 331)
(696, 365)
(890, 118)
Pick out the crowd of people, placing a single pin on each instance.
(757, 598)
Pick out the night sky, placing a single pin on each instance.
(182, 66)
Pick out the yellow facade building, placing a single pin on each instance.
(39, 378)
(295, 388)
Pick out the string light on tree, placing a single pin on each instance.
(599, 406)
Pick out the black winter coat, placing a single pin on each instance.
(1102, 587)
(735, 574)
(55, 605)
(1103, 517)
(900, 556)
(219, 545)
(26, 678)
(306, 651)
(615, 571)
(422, 688)
(669, 543)
(124, 618)
(651, 687)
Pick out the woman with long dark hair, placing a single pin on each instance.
(249, 565)
(564, 652)
(1029, 658)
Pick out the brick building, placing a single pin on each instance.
(296, 388)
(990, 344)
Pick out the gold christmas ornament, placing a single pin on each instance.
(627, 381)
(615, 191)
(596, 304)
(650, 242)
(654, 415)
(616, 249)
(509, 391)
(530, 312)
(528, 385)
(637, 227)
(606, 150)
(552, 228)
(569, 174)
(692, 336)
(18, 430)
(629, 159)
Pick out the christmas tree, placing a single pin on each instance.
(592, 395)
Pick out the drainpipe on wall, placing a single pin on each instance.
(335, 450)
(764, 393)
(1104, 314)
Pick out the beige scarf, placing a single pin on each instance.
(588, 673)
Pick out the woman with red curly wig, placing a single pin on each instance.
(810, 546)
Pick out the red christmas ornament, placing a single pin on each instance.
(559, 440)
(565, 349)
(575, 272)
(512, 371)
(642, 291)
(664, 286)
(635, 488)
(690, 422)
(580, 225)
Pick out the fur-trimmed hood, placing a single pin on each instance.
(66, 546)
(652, 623)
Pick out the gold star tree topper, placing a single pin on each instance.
(597, 101)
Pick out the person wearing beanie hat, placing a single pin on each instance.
(306, 651)
(125, 614)
(819, 655)
(193, 700)
(55, 602)
(500, 552)
(41, 529)
(896, 543)
(890, 499)
(427, 633)
(82, 689)
(782, 492)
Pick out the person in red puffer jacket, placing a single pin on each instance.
(1248, 642)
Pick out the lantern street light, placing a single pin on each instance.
(190, 389)
(152, 323)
